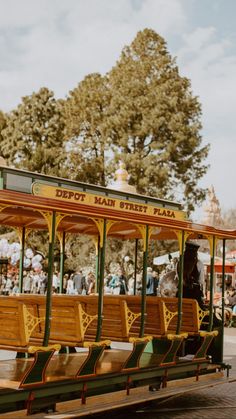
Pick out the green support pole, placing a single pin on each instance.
(62, 261)
(223, 301)
(211, 286)
(144, 285)
(22, 254)
(97, 263)
(49, 285)
(180, 285)
(101, 284)
(135, 265)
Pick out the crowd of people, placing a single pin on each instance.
(78, 283)
(36, 283)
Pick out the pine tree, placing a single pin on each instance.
(85, 115)
(154, 121)
(33, 136)
(2, 126)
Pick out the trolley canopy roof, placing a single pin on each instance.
(25, 197)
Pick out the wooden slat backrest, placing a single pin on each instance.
(66, 317)
(64, 320)
(190, 322)
(35, 304)
(66, 325)
(114, 324)
(12, 323)
(154, 319)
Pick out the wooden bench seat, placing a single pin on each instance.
(192, 320)
(69, 323)
(74, 323)
(116, 323)
(16, 327)
(157, 319)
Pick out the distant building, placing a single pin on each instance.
(211, 210)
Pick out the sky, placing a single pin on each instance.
(56, 43)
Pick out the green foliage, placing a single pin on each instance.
(154, 121)
(144, 113)
(33, 136)
(80, 252)
(85, 115)
(2, 126)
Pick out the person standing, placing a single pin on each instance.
(70, 286)
(155, 281)
(150, 287)
(193, 274)
(55, 282)
(79, 282)
(122, 283)
(27, 281)
(90, 283)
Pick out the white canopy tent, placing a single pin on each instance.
(205, 258)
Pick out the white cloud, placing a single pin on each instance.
(212, 69)
(57, 43)
(210, 63)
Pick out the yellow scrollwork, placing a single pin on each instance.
(212, 243)
(48, 216)
(85, 319)
(60, 238)
(181, 235)
(143, 231)
(168, 315)
(131, 317)
(30, 321)
(100, 226)
(201, 315)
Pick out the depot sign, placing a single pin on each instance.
(96, 200)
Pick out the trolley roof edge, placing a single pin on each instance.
(33, 192)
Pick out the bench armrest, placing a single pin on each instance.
(106, 342)
(33, 349)
(144, 339)
(173, 336)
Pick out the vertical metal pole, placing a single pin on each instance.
(144, 285)
(135, 265)
(180, 284)
(62, 260)
(212, 285)
(101, 284)
(22, 254)
(49, 284)
(223, 301)
(97, 265)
